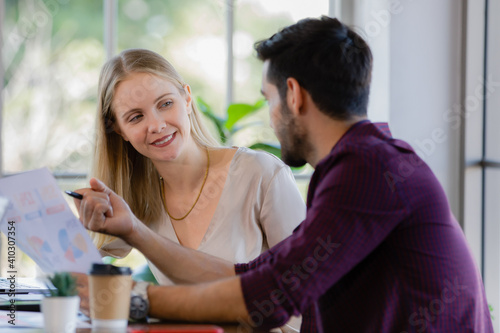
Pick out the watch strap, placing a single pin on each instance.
(141, 289)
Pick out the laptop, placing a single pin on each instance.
(21, 285)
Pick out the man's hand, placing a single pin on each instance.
(102, 210)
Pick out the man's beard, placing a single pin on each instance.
(293, 138)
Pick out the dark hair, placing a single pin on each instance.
(327, 58)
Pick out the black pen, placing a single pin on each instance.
(74, 194)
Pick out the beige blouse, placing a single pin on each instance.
(260, 205)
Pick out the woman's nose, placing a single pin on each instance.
(156, 124)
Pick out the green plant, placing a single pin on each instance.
(64, 283)
(229, 126)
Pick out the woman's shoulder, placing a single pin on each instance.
(258, 158)
(257, 164)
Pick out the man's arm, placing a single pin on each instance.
(219, 301)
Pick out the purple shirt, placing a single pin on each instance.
(379, 250)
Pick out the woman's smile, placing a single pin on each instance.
(164, 141)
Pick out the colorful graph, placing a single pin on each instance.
(72, 249)
(39, 245)
(46, 228)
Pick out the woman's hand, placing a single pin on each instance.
(102, 210)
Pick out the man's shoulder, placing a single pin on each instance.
(368, 143)
(359, 151)
(370, 160)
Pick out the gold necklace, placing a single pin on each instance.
(162, 189)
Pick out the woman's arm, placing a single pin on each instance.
(179, 263)
(104, 211)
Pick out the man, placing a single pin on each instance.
(379, 250)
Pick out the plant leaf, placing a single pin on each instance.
(217, 121)
(108, 260)
(269, 147)
(65, 284)
(237, 128)
(236, 112)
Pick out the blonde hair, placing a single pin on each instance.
(128, 173)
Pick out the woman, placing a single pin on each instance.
(153, 150)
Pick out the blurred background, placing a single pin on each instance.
(436, 81)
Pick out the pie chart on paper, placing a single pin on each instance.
(72, 249)
(39, 245)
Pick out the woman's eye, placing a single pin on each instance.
(166, 104)
(135, 118)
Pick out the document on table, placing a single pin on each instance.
(39, 221)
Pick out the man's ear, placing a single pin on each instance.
(294, 96)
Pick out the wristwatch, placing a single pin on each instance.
(139, 303)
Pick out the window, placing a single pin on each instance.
(481, 152)
(51, 59)
(54, 49)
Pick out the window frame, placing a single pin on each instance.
(477, 202)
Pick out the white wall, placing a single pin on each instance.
(425, 84)
(372, 19)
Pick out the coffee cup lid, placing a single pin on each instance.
(106, 269)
